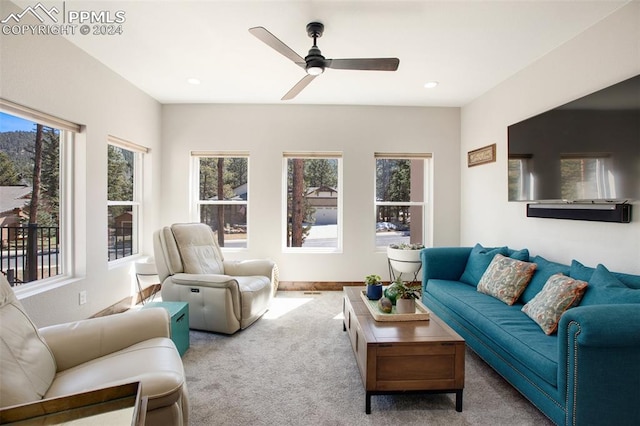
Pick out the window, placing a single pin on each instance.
(401, 198)
(313, 201)
(124, 192)
(520, 178)
(586, 177)
(35, 196)
(222, 198)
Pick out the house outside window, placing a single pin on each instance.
(401, 198)
(35, 194)
(585, 177)
(124, 194)
(313, 199)
(222, 195)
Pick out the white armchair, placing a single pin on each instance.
(224, 296)
(91, 354)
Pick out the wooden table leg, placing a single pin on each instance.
(367, 403)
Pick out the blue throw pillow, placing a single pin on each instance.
(629, 280)
(580, 272)
(478, 262)
(544, 270)
(519, 254)
(605, 288)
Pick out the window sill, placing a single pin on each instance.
(41, 286)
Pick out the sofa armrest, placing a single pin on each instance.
(444, 263)
(77, 342)
(605, 325)
(599, 363)
(244, 268)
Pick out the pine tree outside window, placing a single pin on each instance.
(313, 195)
(222, 195)
(124, 193)
(401, 198)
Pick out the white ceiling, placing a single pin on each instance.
(468, 46)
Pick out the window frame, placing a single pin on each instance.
(426, 195)
(313, 155)
(69, 135)
(136, 203)
(196, 203)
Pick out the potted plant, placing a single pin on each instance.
(391, 291)
(374, 286)
(404, 257)
(406, 299)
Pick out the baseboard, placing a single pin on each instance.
(126, 303)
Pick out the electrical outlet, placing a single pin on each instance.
(82, 297)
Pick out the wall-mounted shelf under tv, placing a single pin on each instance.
(599, 212)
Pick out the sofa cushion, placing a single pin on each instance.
(543, 271)
(584, 273)
(506, 278)
(558, 294)
(522, 254)
(503, 327)
(631, 281)
(580, 272)
(606, 288)
(478, 262)
(27, 365)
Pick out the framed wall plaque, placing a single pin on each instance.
(486, 154)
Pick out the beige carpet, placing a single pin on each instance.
(295, 366)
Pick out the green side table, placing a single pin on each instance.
(179, 312)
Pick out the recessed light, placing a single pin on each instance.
(430, 84)
(193, 81)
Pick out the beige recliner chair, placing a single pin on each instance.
(91, 354)
(224, 296)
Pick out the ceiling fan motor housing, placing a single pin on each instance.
(314, 60)
(315, 30)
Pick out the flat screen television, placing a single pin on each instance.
(587, 150)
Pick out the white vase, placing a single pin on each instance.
(404, 261)
(406, 306)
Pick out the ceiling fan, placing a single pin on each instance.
(314, 63)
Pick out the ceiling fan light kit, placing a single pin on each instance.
(315, 63)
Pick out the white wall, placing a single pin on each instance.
(50, 75)
(266, 131)
(603, 55)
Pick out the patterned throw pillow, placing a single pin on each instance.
(559, 294)
(506, 278)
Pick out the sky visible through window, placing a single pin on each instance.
(10, 123)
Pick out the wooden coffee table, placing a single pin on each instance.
(403, 356)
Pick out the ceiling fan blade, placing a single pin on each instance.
(298, 87)
(370, 64)
(274, 42)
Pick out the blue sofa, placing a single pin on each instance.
(588, 373)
